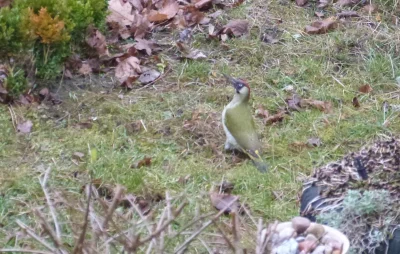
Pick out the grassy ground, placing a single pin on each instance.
(328, 67)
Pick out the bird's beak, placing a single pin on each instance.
(234, 82)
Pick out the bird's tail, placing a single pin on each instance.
(257, 160)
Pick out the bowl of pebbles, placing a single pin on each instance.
(301, 236)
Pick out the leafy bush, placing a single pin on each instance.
(15, 83)
(50, 30)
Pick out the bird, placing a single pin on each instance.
(239, 125)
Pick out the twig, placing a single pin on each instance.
(78, 247)
(161, 242)
(30, 232)
(158, 231)
(112, 207)
(225, 237)
(192, 223)
(12, 113)
(168, 201)
(25, 251)
(235, 231)
(208, 223)
(46, 194)
(205, 245)
(47, 228)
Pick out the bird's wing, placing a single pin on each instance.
(240, 123)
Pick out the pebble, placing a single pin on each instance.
(287, 247)
(307, 246)
(317, 230)
(300, 224)
(311, 237)
(286, 234)
(328, 249)
(300, 239)
(319, 250)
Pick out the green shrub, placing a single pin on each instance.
(18, 34)
(15, 83)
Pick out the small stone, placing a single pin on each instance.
(337, 252)
(300, 239)
(317, 230)
(286, 234)
(328, 240)
(328, 250)
(319, 250)
(300, 224)
(287, 247)
(307, 246)
(311, 237)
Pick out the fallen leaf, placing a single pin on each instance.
(323, 3)
(97, 41)
(78, 156)
(301, 2)
(25, 127)
(85, 69)
(140, 26)
(149, 76)
(190, 53)
(185, 35)
(221, 200)
(321, 26)
(140, 44)
(85, 125)
(133, 127)
(343, 3)
(44, 92)
(144, 162)
(365, 89)
(203, 4)
(370, 8)
(3, 90)
(261, 112)
(4, 3)
(215, 15)
(324, 106)
(271, 35)
(127, 71)
(236, 28)
(297, 146)
(168, 11)
(356, 103)
(294, 102)
(278, 117)
(137, 4)
(193, 16)
(121, 13)
(315, 142)
(347, 14)
(378, 17)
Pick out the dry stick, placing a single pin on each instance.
(192, 223)
(235, 231)
(47, 228)
(113, 206)
(46, 194)
(168, 200)
(158, 231)
(12, 113)
(30, 232)
(205, 245)
(259, 241)
(25, 251)
(78, 247)
(225, 237)
(208, 223)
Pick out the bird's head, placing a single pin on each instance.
(241, 86)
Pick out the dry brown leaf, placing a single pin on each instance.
(236, 28)
(193, 16)
(203, 4)
(140, 26)
(4, 3)
(225, 187)
(356, 103)
(342, 3)
(3, 90)
(365, 89)
(145, 45)
(301, 2)
(146, 161)
(127, 71)
(370, 8)
(137, 4)
(324, 106)
(85, 69)
(168, 11)
(215, 15)
(294, 102)
(97, 41)
(261, 112)
(221, 200)
(322, 26)
(120, 12)
(25, 127)
(323, 3)
(278, 117)
(347, 14)
(78, 156)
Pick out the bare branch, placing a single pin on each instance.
(113, 206)
(25, 251)
(30, 232)
(79, 245)
(47, 228)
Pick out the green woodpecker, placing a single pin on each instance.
(239, 125)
